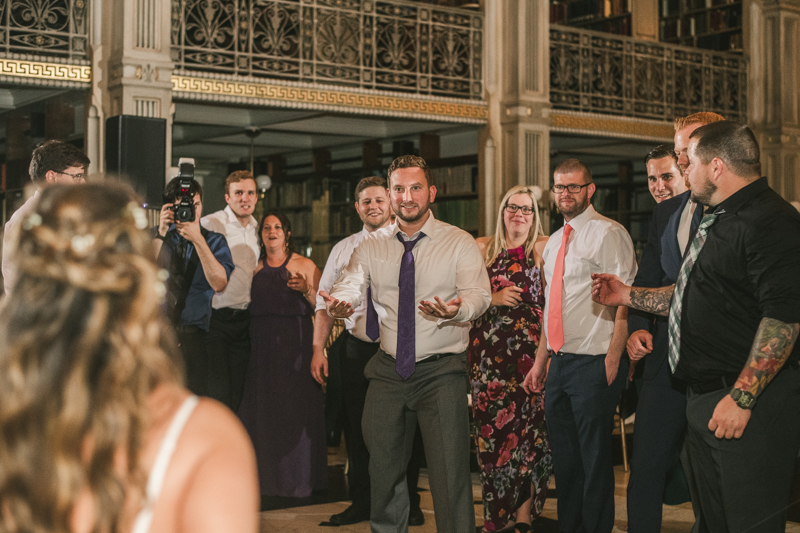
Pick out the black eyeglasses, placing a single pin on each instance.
(75, 177)
(513, 208)
(572, 187)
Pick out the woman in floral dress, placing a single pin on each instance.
(509, 427)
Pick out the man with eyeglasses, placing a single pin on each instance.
(585, 342)
(51, 162)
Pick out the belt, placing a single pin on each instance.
(727, 381)
(230, 313)
(433, 358)
(722, 382)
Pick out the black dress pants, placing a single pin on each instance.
(657, 439)
(228, 349)
(192, 341)
(744, 484)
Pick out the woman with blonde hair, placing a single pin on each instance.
(510, 432)
(98, 432)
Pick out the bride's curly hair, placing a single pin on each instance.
(82, 345)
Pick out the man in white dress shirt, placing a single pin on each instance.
(228, 338)
(359, 342)
(427, 281)
(585, 342)
(52, 162)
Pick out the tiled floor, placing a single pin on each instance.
(307, 519)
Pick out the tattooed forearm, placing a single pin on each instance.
(771, 348)
(654, 301)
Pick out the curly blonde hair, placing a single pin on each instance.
(498, 243)
(82, 346)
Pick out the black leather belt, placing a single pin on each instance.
(435, 357)
(727, 381)
(230, 313)
(722, 382)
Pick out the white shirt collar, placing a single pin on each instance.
(579, 221)
(231, 217)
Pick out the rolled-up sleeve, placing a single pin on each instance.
(351, 286)
(472, 285)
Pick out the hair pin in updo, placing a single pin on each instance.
(138, 214)
(31, 221)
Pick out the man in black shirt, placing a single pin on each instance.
(734, 324)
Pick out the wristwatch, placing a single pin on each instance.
(743, 399)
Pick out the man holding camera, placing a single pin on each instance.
(199, 264)
(228, 339)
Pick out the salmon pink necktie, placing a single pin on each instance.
(555, 324)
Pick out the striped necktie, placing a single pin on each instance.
(676, 305)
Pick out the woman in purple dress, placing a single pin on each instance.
(283, 407)
(510, 431)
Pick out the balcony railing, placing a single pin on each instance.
(600, 73)
(44, 28)
(370, 44)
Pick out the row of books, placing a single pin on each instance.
(461, 213)
(459, 179)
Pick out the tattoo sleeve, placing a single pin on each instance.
(773, 343)
(654, 301)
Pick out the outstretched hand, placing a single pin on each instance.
(608, 289)
(439, 308)
(336, 308)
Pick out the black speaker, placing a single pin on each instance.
(136, 152)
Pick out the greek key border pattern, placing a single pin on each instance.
(330, 99)
(610, 126)
(45, 71)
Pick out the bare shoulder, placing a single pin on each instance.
(538, 250)
(482, 243)
(302, 264)
(221, 489)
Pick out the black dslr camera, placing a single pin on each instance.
(184, 207)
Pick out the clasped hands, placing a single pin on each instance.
(438, 308)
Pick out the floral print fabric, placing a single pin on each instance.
(508, 424)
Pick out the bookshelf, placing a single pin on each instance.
(709, 24)
(609, 16)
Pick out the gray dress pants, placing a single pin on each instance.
(436, 397)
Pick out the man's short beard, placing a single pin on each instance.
(407, 220)
(703, 192)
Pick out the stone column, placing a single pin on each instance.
(131, 68)
(772, 38)
(515, 145)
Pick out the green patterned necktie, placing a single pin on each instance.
(683, 277)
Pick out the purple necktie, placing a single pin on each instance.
(373, 332)
(406, 338)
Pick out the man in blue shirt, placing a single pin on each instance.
(199, 263)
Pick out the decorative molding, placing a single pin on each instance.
(595, 72)
(286, 94)
(15, 70)
(371, 44)
(630, 128)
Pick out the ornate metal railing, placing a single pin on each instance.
(44, 28)
(601, 73)
(370, 44)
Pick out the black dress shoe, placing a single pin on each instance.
(415, 517)
(351, 515)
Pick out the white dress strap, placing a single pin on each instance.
(158, 472)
